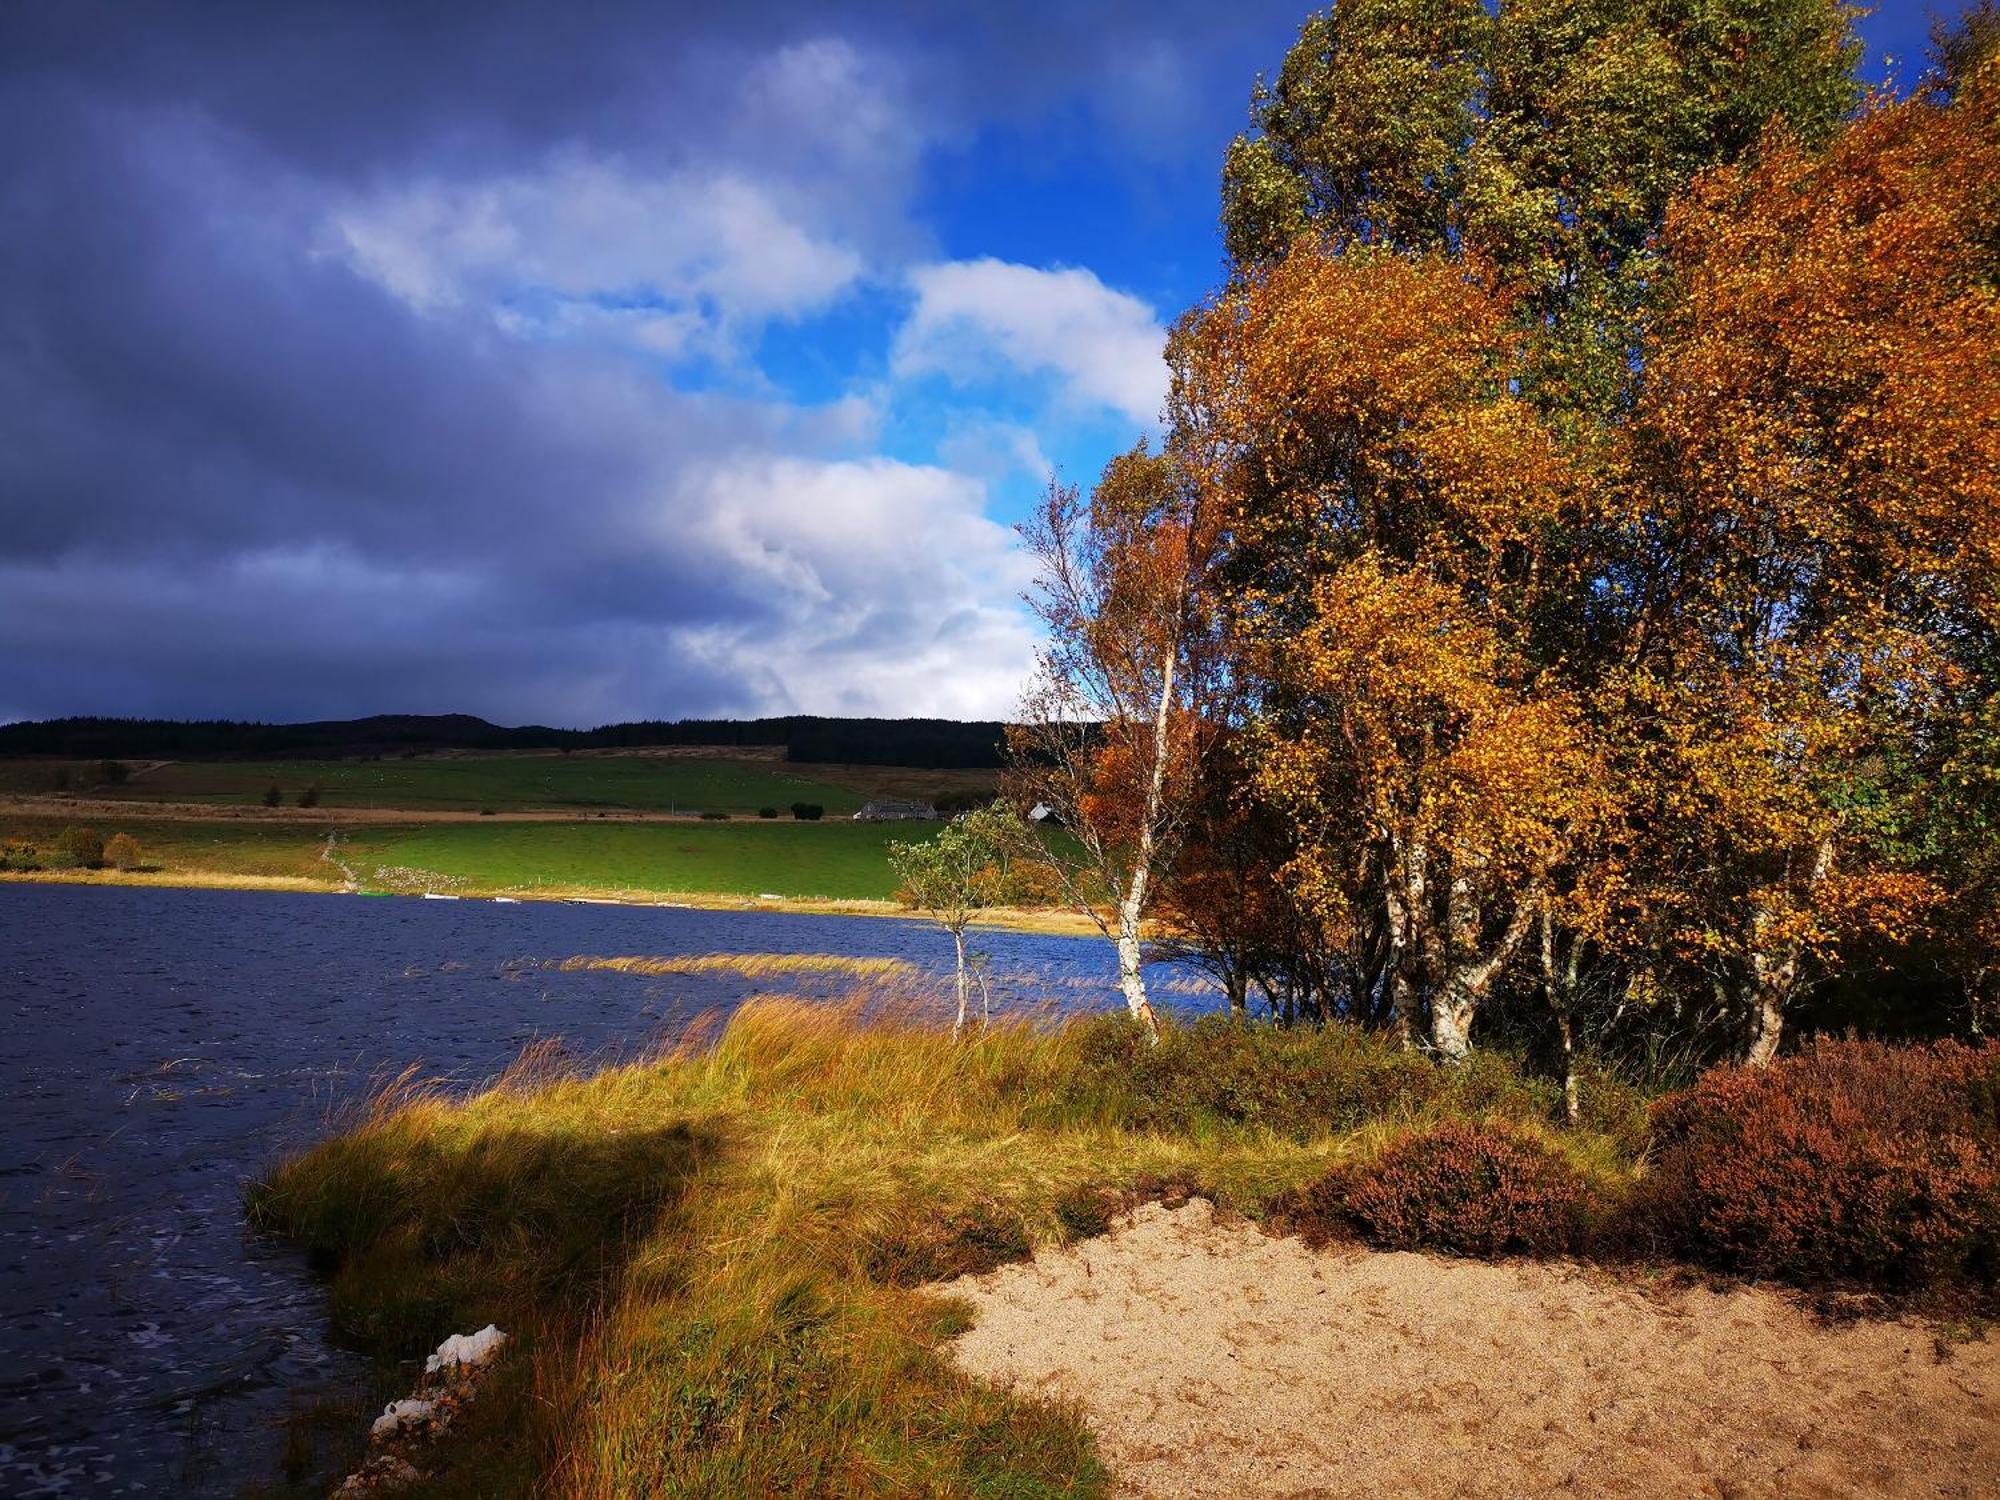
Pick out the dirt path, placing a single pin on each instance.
(1215, 1360)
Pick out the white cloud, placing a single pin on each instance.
(1103, 345)
(677, 263)
(771, 210)
(887, 586)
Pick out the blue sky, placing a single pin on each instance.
(581, 363)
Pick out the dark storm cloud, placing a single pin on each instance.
(344, 84)
(246, 468)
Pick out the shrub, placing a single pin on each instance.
(767, 812)
(121, 851)
(309, 797)
(273, 795)
(1301, 1082)
(1460, 1187)
(1847, 1162)
(79, 847)
(808, 812)
(114, 772)
(715, 817)
(487, 812)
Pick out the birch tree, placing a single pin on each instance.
(1816, 447)
(955, 876)
(1113, 730)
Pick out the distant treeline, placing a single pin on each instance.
(933, 743)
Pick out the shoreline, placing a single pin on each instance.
(1041, 922)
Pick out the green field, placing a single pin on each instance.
(840, 860)
(653, 783)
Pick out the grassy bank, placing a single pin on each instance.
(838, 860)
(711, 1258)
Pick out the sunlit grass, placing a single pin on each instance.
(749, 965)
(712, 1255)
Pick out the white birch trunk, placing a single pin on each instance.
(1466, 979)
(1773, 975)
(958, 941)
(1767, 1027)
(1133, 908)
(1404, 899)
(1451, 1026)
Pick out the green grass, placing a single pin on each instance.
(658, 783)
(836, 858)
(710, 1262)
(842, 860)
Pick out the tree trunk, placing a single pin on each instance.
(1130, 979)
(1133, 907)
(1451, 1025)
(1572, 1095)
(1404, 905)
(958, 940)
(1403, 1006)
(1559, 992)
(1767, 1026)
(1467, 979)
(1774, 975)
(1237, 988)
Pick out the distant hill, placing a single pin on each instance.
(939, 744)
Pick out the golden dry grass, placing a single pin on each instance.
(749, 965)
(713, 1256)
(710, 1254)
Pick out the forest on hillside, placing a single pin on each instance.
(933, 744)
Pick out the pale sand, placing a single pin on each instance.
(1213, 1359)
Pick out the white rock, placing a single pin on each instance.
(465, 1351)
(398, 1415)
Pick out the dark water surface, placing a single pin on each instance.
(161, 1047)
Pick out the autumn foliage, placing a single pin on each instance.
(1640, 668)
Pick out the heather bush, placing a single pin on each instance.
(1459, 1187)
(1848, 1162)
(121, 852)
